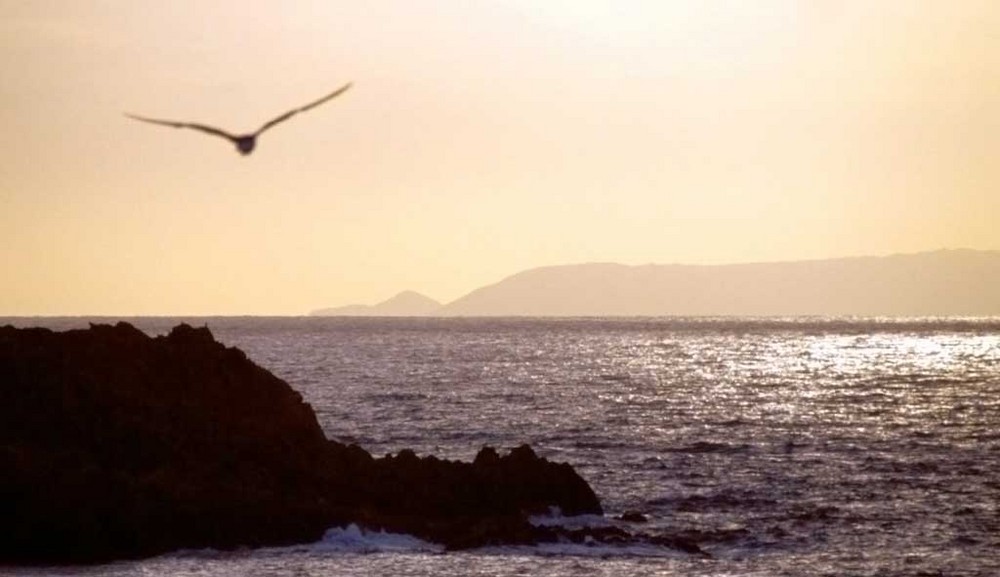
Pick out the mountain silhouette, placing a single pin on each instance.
(959, 282)
(405, 304)
(941, 283)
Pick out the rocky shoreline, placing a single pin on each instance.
(115, 444)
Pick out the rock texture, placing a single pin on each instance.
(114, 444)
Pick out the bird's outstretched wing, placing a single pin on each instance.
(172, 124)
(295, 111)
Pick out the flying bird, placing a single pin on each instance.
(245, 143)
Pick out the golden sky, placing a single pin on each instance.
(480, 138)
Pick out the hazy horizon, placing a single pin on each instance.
(478, 140)
(948, 282)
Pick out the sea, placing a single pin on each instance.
(800, 446)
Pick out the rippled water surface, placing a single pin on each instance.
(792, 447)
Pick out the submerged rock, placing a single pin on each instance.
(114, 444)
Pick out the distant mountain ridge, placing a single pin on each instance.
(956, 282)
(405, 304)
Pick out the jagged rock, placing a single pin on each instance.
(469, 505)
(114, 444)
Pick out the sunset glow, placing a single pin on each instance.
(479, 139)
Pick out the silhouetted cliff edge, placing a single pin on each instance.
(114, 444)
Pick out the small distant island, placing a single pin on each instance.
(957, 282)
(405, 304)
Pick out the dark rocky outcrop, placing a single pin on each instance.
(114, 444)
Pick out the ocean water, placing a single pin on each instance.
(790, 446)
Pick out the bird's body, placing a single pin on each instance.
(245, 143)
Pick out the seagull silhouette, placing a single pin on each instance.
(245, 143)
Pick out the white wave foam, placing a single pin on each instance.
(556, 519)
(589, 547)
(353, 539)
